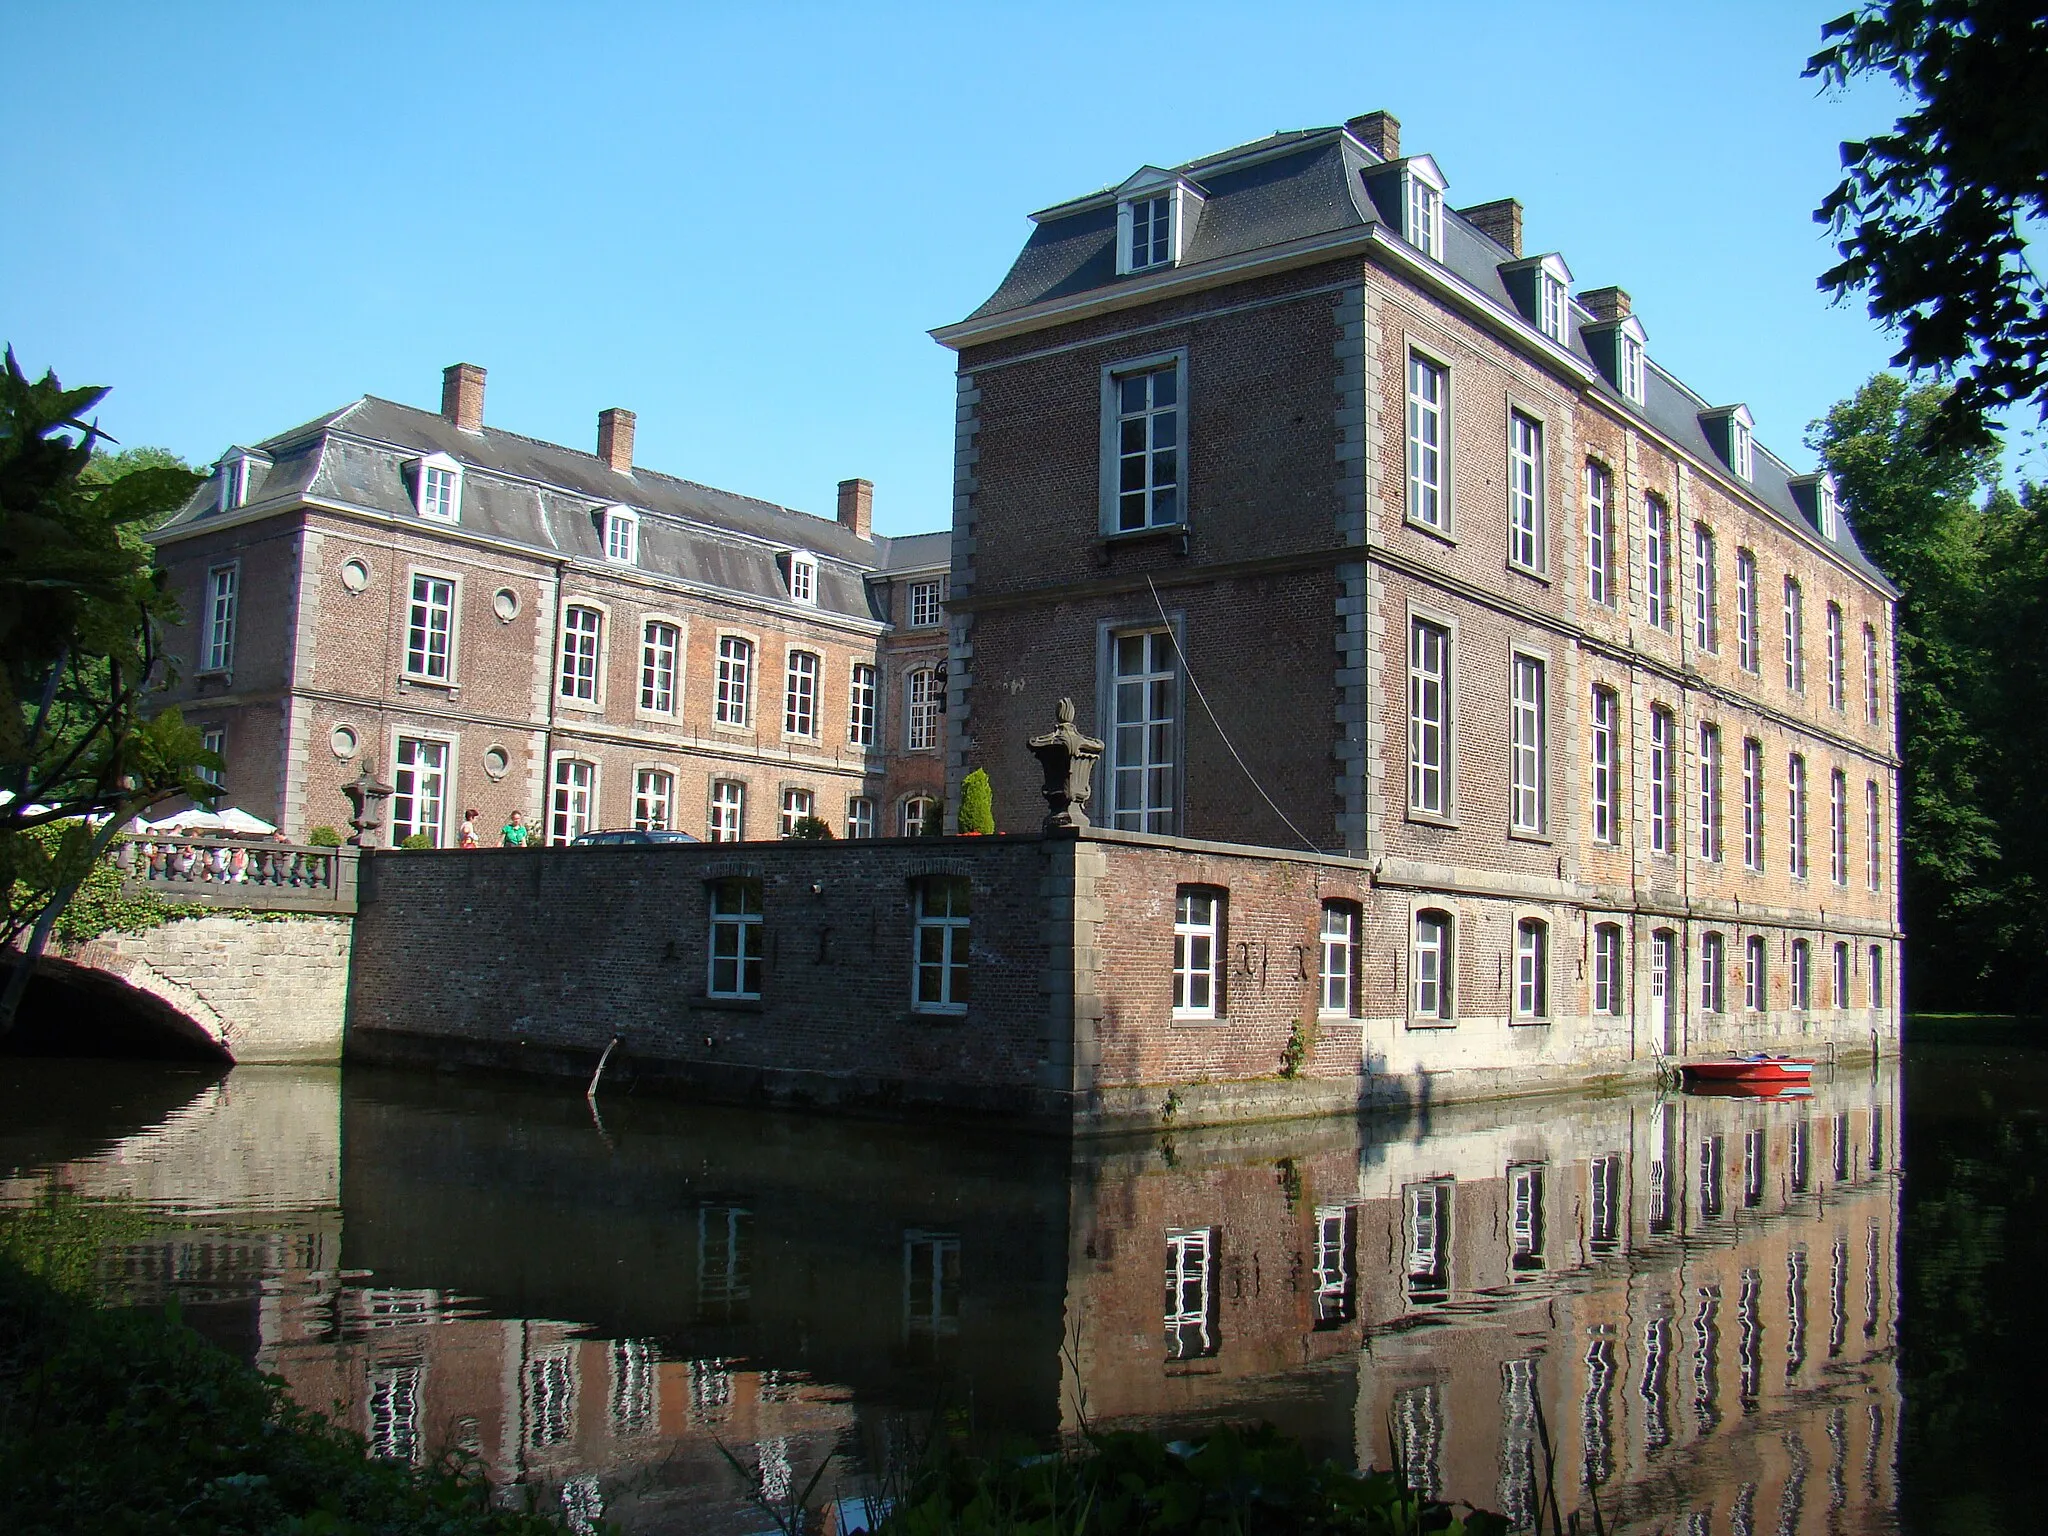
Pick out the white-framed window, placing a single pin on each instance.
(1826, 504)
(1429, 445)
(1336, 1299)
(223, 591)
(1631, 364)
(1532, 969)
(1528, 775)
(1756, 986)
(1606, 718)
(797, 804)
(860, 705)
(1662, 729)
(803, 577)
(1430, 992)
(1871, 709)
(1429, 718)
(1838, 827)
(1710, 792)
(1802, 975)
(1429, 1240)
(1753, 805)
(1657, 561)
(1147, 416)
(913, 813)
(1600, 562)
(440, 488)
(661, 644)
(575, 799)
(654, 799)
(214, 739)
(860, 817)
(1741, 447)
(1713, 973)
(1525, 1218)
(926, 598)
(582, 636)
(1191, 1332)
(1609, 984)
(1840, 998)
(1838, 685)
(921, 710)
(1148, 231)
(1553, 307)
(943, 907)
(735, 949)
(1525, 492)
(1795, 814)
(621, 536)
(1197, 953)
(1144, 736)
(419, 790)
(1424, 202)
(1873, 852)
(800, 695)
(1877, 975)
(1748, 651)
(1340, 960)
(728, 818)
(1706, 587)
(430, 629)
(1795, 636)
(234, 483)
(730, 705)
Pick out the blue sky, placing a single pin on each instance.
(740, 221)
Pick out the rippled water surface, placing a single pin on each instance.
(1699, 1302)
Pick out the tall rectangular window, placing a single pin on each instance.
(1802, 975)
(1747, 650)
(798, 806)
(1144, 731)
(921, 710)
(925, 597)
(1340, 959)
(1428, 443)
(1606, 718)
(1148, 444)
(1661, 728)
(1657, 562)
(419, 783)
(1795, 637)
(621, 536)
(581, 630)
(736, 947)
(1197, 953)
(735, 677)
(1871, 711)
(659, 645)
(1608, 992)
(1336, 1294)
(218, 645)
(1795, 814)
(800, 695)
(1756, 993)
(1838, 827)
(575, 799)
(1600, 561)
(1429, 1241)
(1877, 975)
(654, 799)
(429, 629)
(1525, 491)
(1706, 590)
(942, 913)
(1425, 217)
(1429, 717)
(1191, 1293)
(1713, 969)
(1431, 966)
(860, 817)
(437, 493)
(1838, 687)
(728, 811)
(860, 706)
(1532, 969)
(1525, 1217)
(1710, 792)
(1873, 855)
(1528, 772)
(1151, 231)
(214, 739)
(1753, 805)
(803, 578)
(1840, 996)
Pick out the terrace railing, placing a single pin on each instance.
(226, 872)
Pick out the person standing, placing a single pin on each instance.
(515, 832)
(467, 837)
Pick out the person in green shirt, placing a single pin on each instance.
(515, 832)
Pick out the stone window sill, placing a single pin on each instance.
(1428, 1024)
(706, 1004)
(1110, 539)
(1443, 536)
(1543, 838)
(1515, 1023)
(1429, 819)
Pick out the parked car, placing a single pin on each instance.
(631, 835)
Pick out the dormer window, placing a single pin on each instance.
(1151, 231)
(1424, 217)
(439, 491)
(803, 577)
(1155, 211)
(621, 535)
(234, 482)
(1554, 307)
(1629, 357)
(1824, 501)
(1741, 447)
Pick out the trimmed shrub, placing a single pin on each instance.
(977, 804)
(811, 829)
(324, 837)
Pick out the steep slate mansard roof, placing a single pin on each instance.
(545, 498)
(1303, 196)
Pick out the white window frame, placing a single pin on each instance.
(860, 817)
(1528, 545)
(1795, 636)
(921, 697)
(800, 673)
(732, 703)
(1432, 744)
(223, 604)
(1422, 212)
(1657, 562)
(1748, 631)
(1336, 997)
(949, 933)
(1528, 745)
(572, 807)
(1753, 804)
(1148, 446)
(1609, 970)
(1709, 748)
(1839, 997)
(1838, 827)
(1663, 743)
(621, 536)
(1713, 973)
(1795, 816)
(1871, 710)
(1877, 975)
(654, 799)
(438, 490)
(661, 666)
(1756, 996)
(234, 482)
(1631, 362)
(1190, 1321)
(1532, 969)
(803, 578)
(1525, 1221)
(1198, 952)
(1741, 447)
(863, 684)
(1427, 1228)
(1600, 562)
(1158, 676)
(1802, 976)
(1826, 505)
(797, 803)
(580, 644)
(1553, 306)
(726, 820)
(1432, 965)
(1873, 816)
(214, 739)
(1605, 718)
(925, 604)
(733, 938)
(419, 637)
(911, 811)
(1837, 662)
(1706, 590)
(406, 786)
(1162, 247)
(1429, 443)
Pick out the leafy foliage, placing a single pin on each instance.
(417, 841)
(324, 837)
(977, 813)
(1931, 218)
(811, 829)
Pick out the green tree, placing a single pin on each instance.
(977, 812)
(1931, 219)
(82, 613)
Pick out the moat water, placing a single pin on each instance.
(1718, 1315)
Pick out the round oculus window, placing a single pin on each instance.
(355, 575)
(497, 762)
(343, 742)
(505, 605)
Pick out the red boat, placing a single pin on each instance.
(1756, 1070)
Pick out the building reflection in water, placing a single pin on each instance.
(596, 1316)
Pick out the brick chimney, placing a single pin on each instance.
(857, 507)
(615, 438)
(1502, 219)
(462, 396)
(1379, 132)
(1607, 303)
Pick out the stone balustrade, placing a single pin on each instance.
(226, 872)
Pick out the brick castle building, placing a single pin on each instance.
(1349, 525)
(494, 622)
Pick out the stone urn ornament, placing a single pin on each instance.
(366, 797)
(1068, 759)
